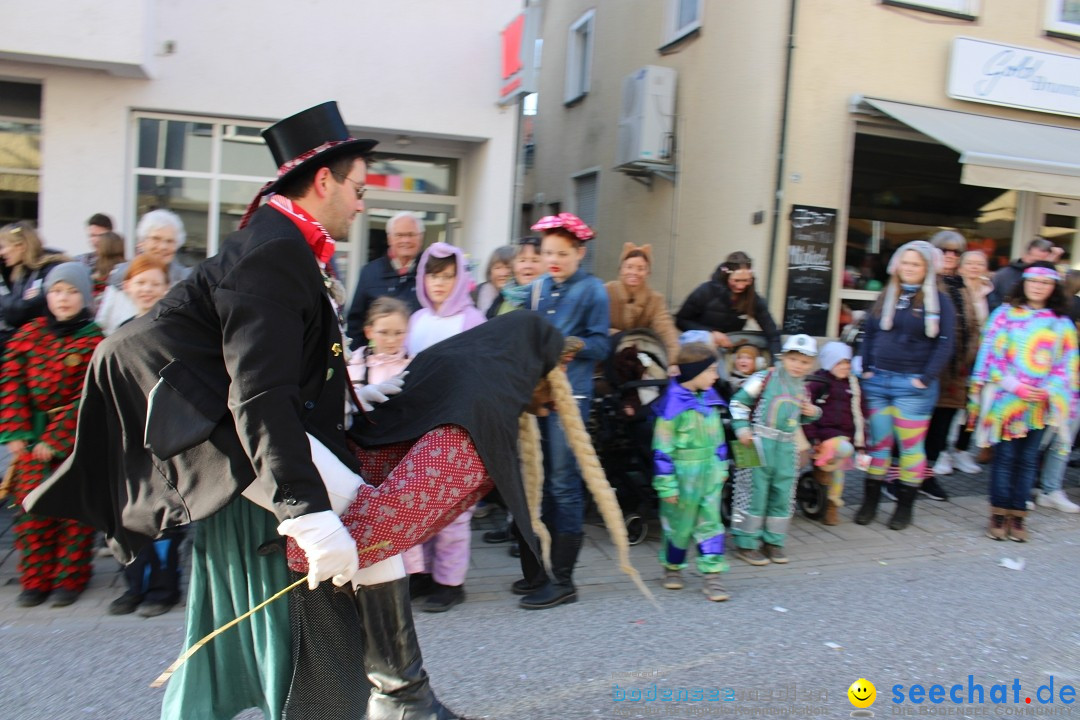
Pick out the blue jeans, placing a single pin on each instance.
(1012, 474)
(899, 413)
(564, 488)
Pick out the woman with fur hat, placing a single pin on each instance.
(633, 304)
(1024, 383)
(727, 303)
(43, 370)
(908, 341)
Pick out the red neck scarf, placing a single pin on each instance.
(317, 238)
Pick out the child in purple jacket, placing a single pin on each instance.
(840, 431)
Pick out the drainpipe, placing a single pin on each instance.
(782, 150)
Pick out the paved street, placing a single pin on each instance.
(927, 605)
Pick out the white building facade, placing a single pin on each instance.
(124, 106)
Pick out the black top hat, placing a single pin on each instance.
(317, 133)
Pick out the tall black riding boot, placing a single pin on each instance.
(534, 577)
(564, 552)
(905, 504)
(871, 496)
(400, 687)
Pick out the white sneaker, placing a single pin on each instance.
(943, 466)
(1030, 505)
(1057, 500)
(966, 464)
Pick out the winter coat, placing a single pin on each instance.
(709, 307)
(379, 279)
(906, 348)
(1007, 278)
(23, 300)
(644, 308)
(968, 333)
(833, 396)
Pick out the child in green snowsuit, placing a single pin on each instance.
(766, 413)
(690, 462)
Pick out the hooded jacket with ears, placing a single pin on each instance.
(457, 313)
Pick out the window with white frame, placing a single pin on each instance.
(586, 199)
(1063, 17)
(579, 52)
(955, 8)
(681, 18)
(206, 171)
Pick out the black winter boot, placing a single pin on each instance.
(871, 496)
(533, 574)
(905, 504)
(564, 552)
(400, 687)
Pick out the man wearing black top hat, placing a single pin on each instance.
(254, 333)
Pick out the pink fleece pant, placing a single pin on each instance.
(445, 556)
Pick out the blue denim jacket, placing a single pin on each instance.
(578, 307)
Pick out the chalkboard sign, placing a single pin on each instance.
(810, 270)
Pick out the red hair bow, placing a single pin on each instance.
(567, 221)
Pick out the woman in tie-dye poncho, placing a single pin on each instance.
(1024, 382)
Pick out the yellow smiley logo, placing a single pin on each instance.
(862, 693)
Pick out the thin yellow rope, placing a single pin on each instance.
(164, 677)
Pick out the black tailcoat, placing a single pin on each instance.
(249, 351)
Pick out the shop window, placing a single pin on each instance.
(20, 170)
(903, 190)
(681, 19)
(579, 52)
(20, 151)
(1063, 18)
(413, 174)
(964, 9)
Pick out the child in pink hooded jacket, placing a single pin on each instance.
(438, 566)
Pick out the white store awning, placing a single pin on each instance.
(996, 152)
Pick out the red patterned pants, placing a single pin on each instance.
(414, 490)
(54, 553)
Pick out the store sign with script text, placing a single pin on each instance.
(997, 74)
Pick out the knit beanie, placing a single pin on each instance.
(75, 274)
(931, 310)
(832, 353)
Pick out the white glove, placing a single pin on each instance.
(380, 392)
(330, 549)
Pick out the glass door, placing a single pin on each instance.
(367, 240)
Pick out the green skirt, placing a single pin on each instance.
(249, 665)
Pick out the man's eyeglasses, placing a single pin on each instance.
(360, 189)
(951, 251)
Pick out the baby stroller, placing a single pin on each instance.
(626, 386)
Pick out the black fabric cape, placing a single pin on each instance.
(482, 380)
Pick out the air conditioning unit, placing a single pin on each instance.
(647, 120)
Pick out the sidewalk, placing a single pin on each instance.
(941, 532)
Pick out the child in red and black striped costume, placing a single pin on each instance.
(42, 380)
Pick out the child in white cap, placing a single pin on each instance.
(840, 432)
(766, 412)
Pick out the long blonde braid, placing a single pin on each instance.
(532, 466)
(593, 473)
